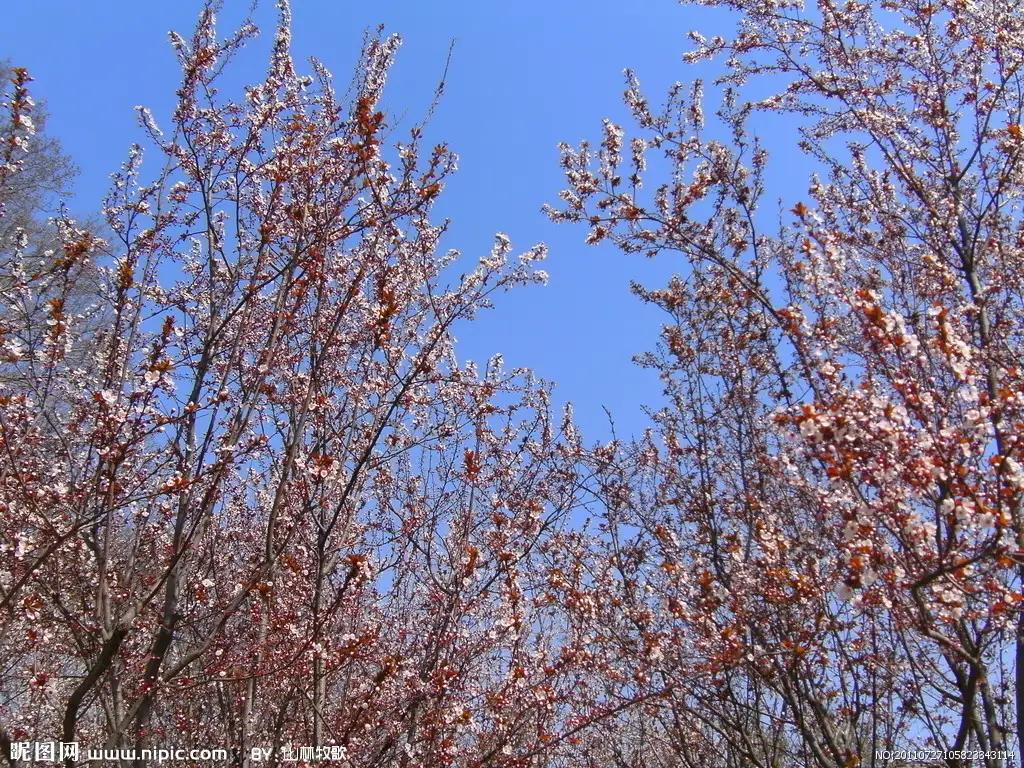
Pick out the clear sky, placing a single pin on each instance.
(523, 76)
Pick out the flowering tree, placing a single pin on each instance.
(829, 510)
(44, 172)
(268, 506)
(250, 498)
(36, 173)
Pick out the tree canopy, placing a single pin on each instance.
(250, 498)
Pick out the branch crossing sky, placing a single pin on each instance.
(523, 77)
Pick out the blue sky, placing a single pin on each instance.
(523, 77)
